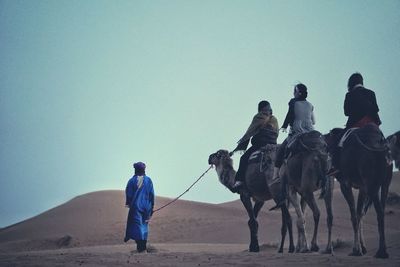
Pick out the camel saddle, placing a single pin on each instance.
(311, 141)
(264, 156)
(369, 137)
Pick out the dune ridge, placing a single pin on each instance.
(95, 223)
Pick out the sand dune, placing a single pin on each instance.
(90, 227)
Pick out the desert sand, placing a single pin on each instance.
(88, 231)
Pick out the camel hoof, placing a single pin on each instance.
(305, 250)
(280, 250)
(255, 248)
(381, 254)
(328, 251)
(314, 248)
(356, 253)
(364, 250)
(291, 249)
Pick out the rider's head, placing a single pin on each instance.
(355, 79)
(300, 91)
(264, 106)
(139, 168)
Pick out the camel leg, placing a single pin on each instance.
(290, 228)
(362, 243)
(329, 214)
(384, 194)
(361, 202)
(286, 226)
(348, 195)
(257, 207)
(253, 225)
(381, 253)
(303, 204)
(380, 213)
(310, 199)
(301, 240)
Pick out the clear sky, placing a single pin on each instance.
(89, 87)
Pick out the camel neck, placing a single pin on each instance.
(226, 175)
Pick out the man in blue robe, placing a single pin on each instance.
(140, 200)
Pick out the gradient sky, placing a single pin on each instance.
(89, 87)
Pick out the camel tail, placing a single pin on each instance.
(385, 185)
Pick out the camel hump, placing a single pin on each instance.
(263, 155)
(309, 141)
(369, 137)
(397, 136)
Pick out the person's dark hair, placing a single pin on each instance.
(302, 89)
(355, 78)
(264, 104)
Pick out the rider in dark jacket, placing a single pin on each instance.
(360, 104)
(361, 108)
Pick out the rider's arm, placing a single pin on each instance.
(312, 116)
(347, 105)
(290, 115)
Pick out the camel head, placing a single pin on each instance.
(220, 158)
(224, 167)
(394, 145)
(333, 137)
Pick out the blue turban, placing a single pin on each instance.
(139, 168)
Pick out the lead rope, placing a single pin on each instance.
(172, 201)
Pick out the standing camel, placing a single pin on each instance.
(394, 146)
(305, 169)
(363, 165)
(257, 177)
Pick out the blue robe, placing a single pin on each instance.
(141, 203)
